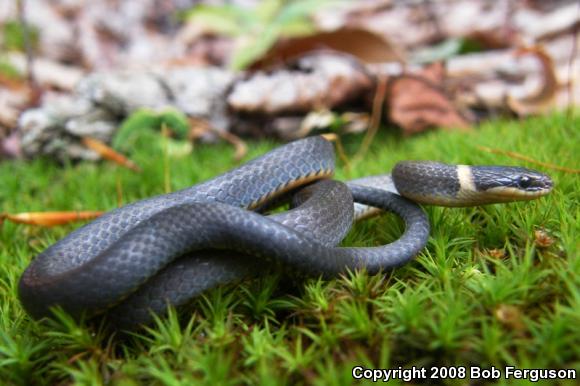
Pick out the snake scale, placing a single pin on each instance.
(134, 260)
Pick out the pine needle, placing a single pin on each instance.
(48, 219)
(522, 157)
(110, 154)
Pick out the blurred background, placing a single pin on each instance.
(72, 69)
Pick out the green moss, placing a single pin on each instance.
(142, 121)
(448, 307)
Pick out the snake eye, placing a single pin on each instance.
(524, 182)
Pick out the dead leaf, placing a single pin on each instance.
(12, 102)
(12, 84)
(313, 82)
(108, 153)
(417, 102)
(367, 46)
(10, 146)
(434, 72)
(48, 219)
(493, 39)
(542, 99)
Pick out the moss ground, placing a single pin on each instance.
(487, 291)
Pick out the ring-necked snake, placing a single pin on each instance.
(167, 249)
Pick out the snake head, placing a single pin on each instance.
(435, 183)
(510, 183)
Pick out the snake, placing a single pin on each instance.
(134, 261)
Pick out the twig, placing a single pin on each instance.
(241, 149)
(339, 148)
(522, 157)
(376, 114)
(166, 169)
(119, 192)
(31, 79)
(201, 126)
(571, 83)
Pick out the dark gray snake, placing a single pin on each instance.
(167, 249)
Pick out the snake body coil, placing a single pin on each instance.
(140, 257)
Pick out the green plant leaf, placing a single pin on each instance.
(227, 19)
(14, 35)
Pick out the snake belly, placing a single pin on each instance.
(144, 255)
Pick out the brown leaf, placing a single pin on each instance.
(544, 98)
(108, 153)
(434, 73)
(48, 219)
(12, 83)
(313, 82)
(363, 44)
(416, 103)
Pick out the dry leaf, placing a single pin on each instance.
(416, 103)
(543, 98)
(48, 73)
(10, 146)
(12, 102)
(48, 219)
(367, 46)
(313, 82)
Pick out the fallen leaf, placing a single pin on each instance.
(434, 72)
(108, 153)
(367, 46)
(12, 83)
(313, 82)
(48, 219)
(544, 98)
(10, 146)
(417, 102)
